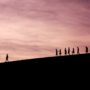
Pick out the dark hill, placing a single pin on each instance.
(73, 59)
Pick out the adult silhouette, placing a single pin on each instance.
(7, 57)
(78, 51)
(60, 52)
(86, 49)
(56, 52)
(69, 51)
(73, 51)
(65, 51)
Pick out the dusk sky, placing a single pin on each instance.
(35, 28)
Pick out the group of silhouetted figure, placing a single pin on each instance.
(68, 51)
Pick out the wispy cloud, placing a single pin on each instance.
(36, 27)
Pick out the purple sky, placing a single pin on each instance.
(34, 28)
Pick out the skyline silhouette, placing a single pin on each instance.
(59, 52)
(68, 59)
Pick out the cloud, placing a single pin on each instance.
(40, 26)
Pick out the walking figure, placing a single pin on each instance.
(60, 52)
(78, 51)
(69, 51)
(7, 58)
(86, 49)
(65, 51)
(73, 51)
(56, 52)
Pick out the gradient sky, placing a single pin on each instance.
(34, 28)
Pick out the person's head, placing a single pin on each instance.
(86, 47)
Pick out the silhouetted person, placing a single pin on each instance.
(60, 52)
(73, 51)
(86, 49)
(65, 51)
(69, 51)
(56, 52)
(78, 51)
(7, 57)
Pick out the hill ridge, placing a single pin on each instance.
(80, 58)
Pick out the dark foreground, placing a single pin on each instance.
(73, 59)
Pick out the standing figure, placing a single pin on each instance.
(73, 51)
(78, 51)
(69, 51)
(56, 52)
(86, 50)
(60, 52)
(7, 58)
(65, 51)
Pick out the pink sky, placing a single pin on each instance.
(34, 28)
